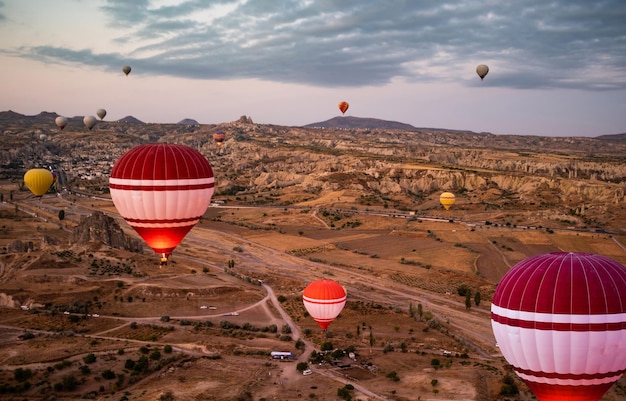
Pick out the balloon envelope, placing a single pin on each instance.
(38, 180)
(126, 69)
(101, 113)
(162, 190)
(447, 199)
(219, 137)
(60, 121)
(482, 71)
(343, 106)
(560, 321)
(324, 300)
(89, 121)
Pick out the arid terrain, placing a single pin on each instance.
(88, 319)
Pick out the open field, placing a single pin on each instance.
(155, 317)
(83, 320)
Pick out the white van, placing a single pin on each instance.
(307, 372)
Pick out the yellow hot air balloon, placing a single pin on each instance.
(447, 199)
(38, 180)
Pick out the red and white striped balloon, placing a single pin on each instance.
(162, 190)
(560, 321)
(324, 300)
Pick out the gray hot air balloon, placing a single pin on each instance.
(60, 121)
(482, 71)
(101, 113)
(89, 121)
(126, 69)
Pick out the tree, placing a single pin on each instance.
(372, 340)
(477, 298)
(89, 358)
(21, 375)
(468, 299)
(61, 214)
(420, 310)
(302, 366)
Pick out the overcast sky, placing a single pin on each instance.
(555, 67)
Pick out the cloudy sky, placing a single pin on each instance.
(556, 67)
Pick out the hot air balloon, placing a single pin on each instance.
(162, 190)
(324, 300)
(482, 71)
(38, 180)
(343, 106)
(89, 121)
(126, 69)
(101, 113)
(560, 321)
(219, 137)
(447, 199)
(61, 122)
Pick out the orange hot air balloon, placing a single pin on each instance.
(343, 106)
(447, 199)
(560, 321)
(38, 180)
(219, 137)
(162, 190)
(324, 300)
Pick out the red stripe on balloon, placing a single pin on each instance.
(325, 302)
(568, 376)
(161, 187)
(162, 221)
(581, 327)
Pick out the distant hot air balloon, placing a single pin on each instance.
(101, 113)
(324, 300)
(343, 106)
(89, 121)
(447, 199)
(126, 69)
(61, 122)
(219, 137)
(38, 180)
(482, 71)
(162, 190)
(560, 321)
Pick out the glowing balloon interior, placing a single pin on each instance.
(162, 191)
(219, 137)
(324, 300)
(560, 321)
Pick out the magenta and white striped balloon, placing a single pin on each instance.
(560, 321)
(162, 190)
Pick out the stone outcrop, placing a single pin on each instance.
(104, 229)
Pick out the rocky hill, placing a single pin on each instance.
(103, 229)
(187, 121)
(359, 122)
(568, 181)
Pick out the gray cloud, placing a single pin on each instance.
(529, 44)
